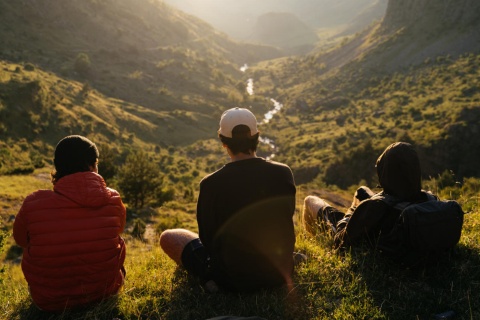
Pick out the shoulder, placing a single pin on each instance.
(377, 203)
(278, 166)
(428, 196)
(281, 166)
(39, 195)
(212, 176)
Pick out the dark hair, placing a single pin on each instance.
(241, 141)
(73, 154)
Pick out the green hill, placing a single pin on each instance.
(143, 52)
(152, 76)
(127, 73)
(140, 75)
(389, 83)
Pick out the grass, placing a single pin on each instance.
(356, 284)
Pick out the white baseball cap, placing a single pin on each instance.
(234, 117)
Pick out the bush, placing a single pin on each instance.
(29, 67)
(139, 179)
(139, 227)
(165, 223)
(82, 64)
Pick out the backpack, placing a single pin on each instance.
(424, 231)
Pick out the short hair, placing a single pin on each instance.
(73, 154)
(241, 141)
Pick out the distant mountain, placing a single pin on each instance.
(140, 51)
(141, 73)
(428, 28)
(430, 14)
(365, 17)
(412, 77)
(284, 30)
(238, 18)
(123, 72)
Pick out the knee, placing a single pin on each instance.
(166, 238)
(309, 201)
(173, 242)
(176, 238)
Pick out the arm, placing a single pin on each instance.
(116, 199)
(205, 213)
(361, 223)
(20, 233)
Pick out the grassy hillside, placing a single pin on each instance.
(147, 77)
(347, 105)
(349, 285)
(38, 108)
(152, 76)
(144, 52)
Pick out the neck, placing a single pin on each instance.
(242, 156)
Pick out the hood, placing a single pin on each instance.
(398, 169)
(85, 188)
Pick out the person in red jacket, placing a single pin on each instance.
(73, 253)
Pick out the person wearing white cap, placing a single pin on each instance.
(244, 213)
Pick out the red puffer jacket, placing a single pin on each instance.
(73, 253)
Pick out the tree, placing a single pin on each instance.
(139, 179)
(82, 64)
(107, 166)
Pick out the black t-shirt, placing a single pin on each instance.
(244, 214)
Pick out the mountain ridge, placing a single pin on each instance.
(337, 100)
(144, 54)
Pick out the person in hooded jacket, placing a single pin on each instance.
(73, 253)
(368, 218)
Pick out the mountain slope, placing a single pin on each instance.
(284, 30)
(237, 18)
(389, 83)
(144, 52)
(40, 107)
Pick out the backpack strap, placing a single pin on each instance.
(392, 201)
(396, 203)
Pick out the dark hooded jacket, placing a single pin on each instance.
(398, 170)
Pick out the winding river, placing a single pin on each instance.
(277, 106)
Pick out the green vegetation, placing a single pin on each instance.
(341, 285)
(342, 122)
(143, 52)
(148, 84)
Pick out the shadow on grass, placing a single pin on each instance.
(107, 309)
(189, 300)
(448, 288)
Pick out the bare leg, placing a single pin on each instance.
(311, 206)
(173, 242)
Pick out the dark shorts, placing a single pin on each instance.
(195, 259)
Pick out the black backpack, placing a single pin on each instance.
(424, 231)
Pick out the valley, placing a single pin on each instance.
(143, 79)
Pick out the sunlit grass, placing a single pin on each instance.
(349, 285)
(355, 284)
(14, 188)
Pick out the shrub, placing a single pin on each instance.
(82, 64)
(139, 227)
(29, 67)
(139, 179)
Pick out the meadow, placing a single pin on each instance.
(354, 284)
